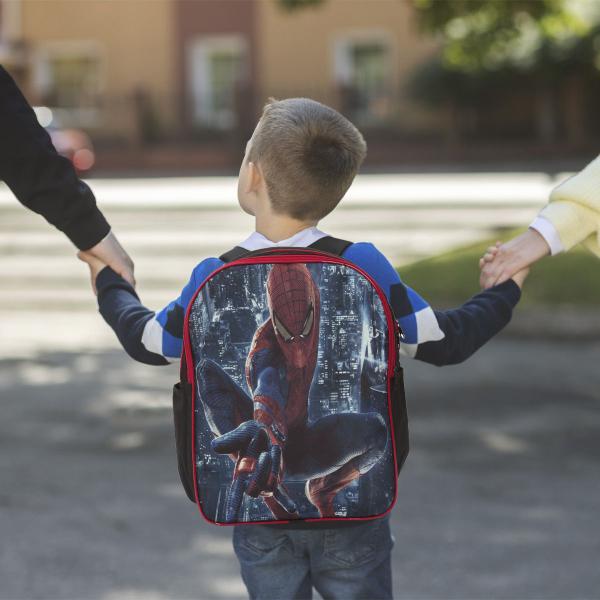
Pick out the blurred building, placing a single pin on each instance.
(136, 73)
(178, 84)
(89, 61)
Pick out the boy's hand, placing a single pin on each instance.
(95, 265)
(492, 261)
(505, 260)
(520, 276)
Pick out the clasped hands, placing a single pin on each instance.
(108, 252)
(511, 259)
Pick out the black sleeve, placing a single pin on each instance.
(469, 327)
(121, 308)
(39, 177)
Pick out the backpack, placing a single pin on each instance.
(291, 403)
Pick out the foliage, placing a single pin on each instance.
(491, 48)
(479, 35)
(434, 83)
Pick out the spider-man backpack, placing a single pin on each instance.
(291, 402)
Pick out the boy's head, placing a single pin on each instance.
(301, 159)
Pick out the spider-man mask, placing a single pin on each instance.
(293, 299)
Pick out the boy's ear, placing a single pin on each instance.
(255, 178)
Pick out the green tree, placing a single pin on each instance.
(481, 35)
(551, 47)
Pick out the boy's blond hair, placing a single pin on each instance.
(309, 155)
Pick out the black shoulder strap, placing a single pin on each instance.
(331, 244)
(327, 244)
(233, 254)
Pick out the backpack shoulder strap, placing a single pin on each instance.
(331, 244)
(233, 254)
(327, 244)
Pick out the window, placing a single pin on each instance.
(68, 79)
(216, 70)
(72, 81)
(362, 73)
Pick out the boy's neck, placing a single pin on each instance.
(280, 227)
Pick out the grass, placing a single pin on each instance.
(571, 279)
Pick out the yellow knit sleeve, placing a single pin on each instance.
(574, 207)
(574, 222)
(583, 187)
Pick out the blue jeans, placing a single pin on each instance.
(349, 563)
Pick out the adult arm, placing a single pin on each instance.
(39, 177)
(571, 216)
(574, 206)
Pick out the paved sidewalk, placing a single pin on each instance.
(499, 497)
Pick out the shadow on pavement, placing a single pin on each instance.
(499, 497)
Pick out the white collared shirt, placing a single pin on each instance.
(303, 238)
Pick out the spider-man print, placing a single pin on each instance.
(268, 434)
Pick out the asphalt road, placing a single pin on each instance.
(499, 497)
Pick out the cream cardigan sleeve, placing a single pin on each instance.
(574, 208)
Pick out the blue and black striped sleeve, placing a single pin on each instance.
(415, 317)
(469, 327)
(438, 337)
(150, 337)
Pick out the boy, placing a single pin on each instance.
(298, 165)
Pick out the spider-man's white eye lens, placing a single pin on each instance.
(281, 329)
(310, 317)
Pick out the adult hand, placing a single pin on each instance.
(508, 259)
(95, 265)
(111, 253)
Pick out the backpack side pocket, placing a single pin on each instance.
(399, 417)
(182, 414)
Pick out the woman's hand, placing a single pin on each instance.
(503, 261)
